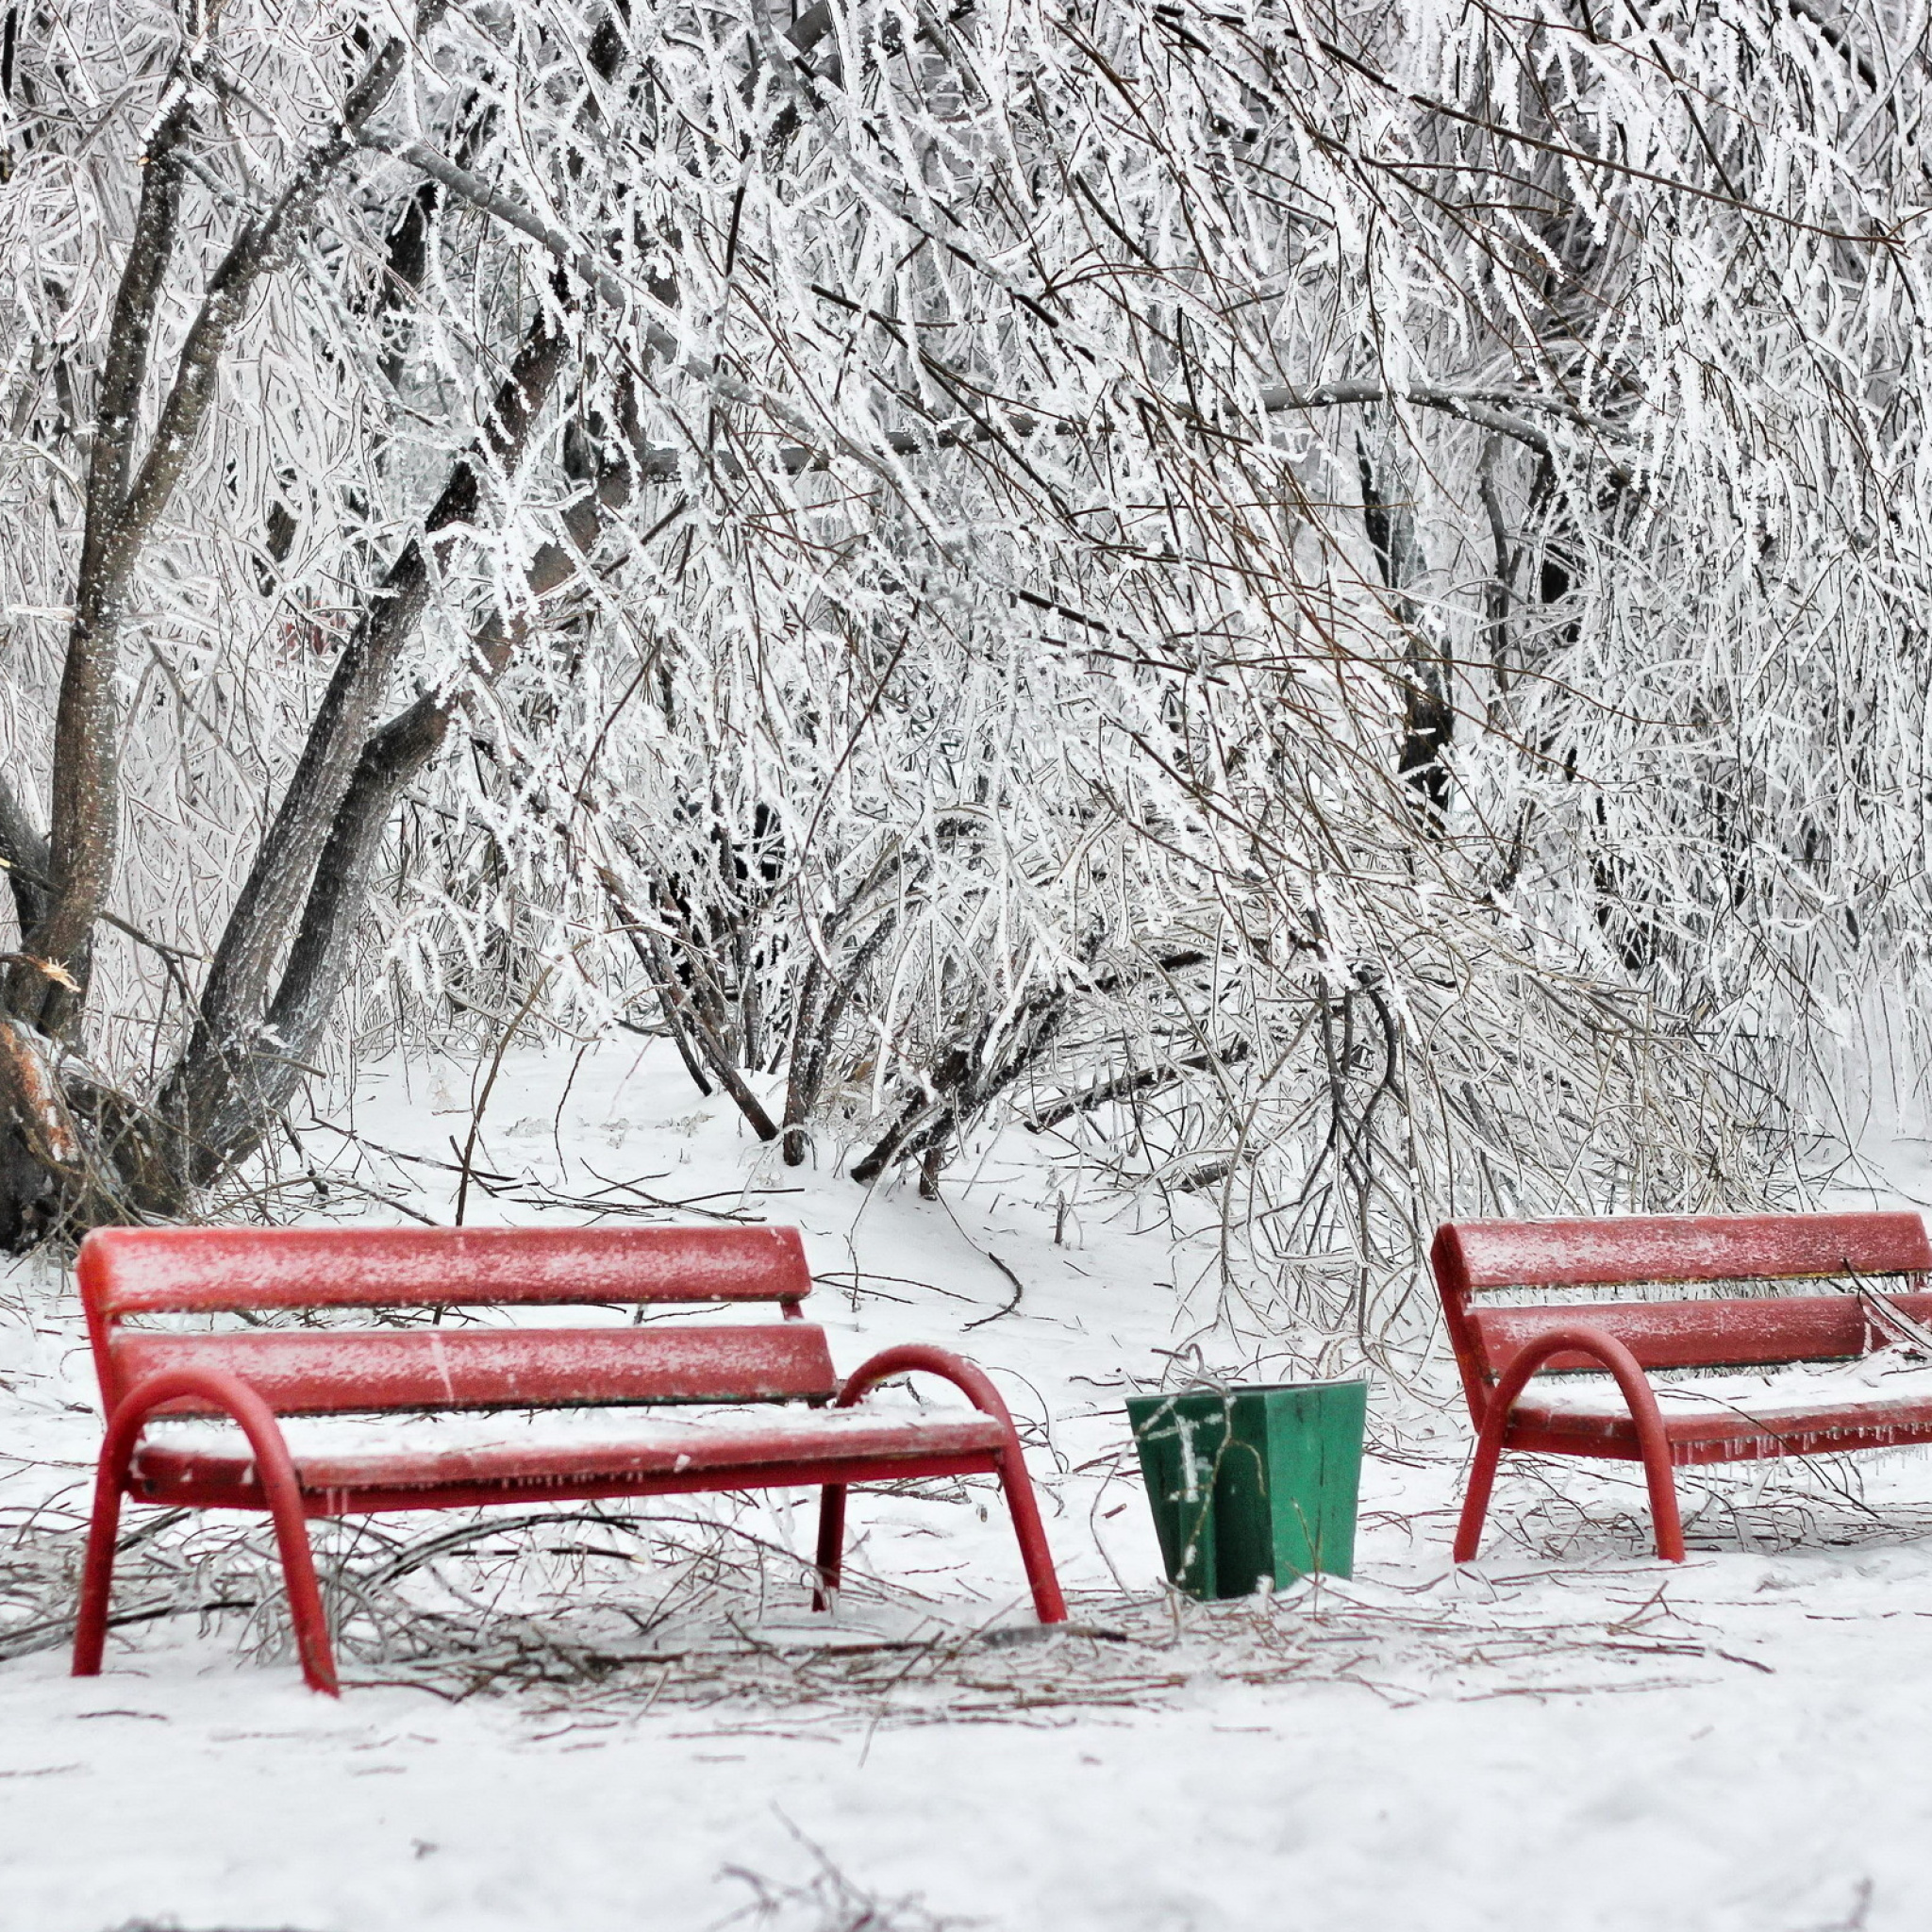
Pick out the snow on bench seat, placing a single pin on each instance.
(1805, 1410)
(364, 1454)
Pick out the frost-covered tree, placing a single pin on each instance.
(1322, 604)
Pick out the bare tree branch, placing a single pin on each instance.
(122, 514)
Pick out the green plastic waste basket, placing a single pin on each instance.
(1249, 1484)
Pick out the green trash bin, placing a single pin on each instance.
(1249, 1484)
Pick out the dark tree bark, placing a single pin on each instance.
(1428, 720)
(60, 885)
(86, 789)
(211, 1108)
(285, 956)
(123, 509)
(24, 849)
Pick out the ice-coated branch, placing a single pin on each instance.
(124, 507)
(208, 1104)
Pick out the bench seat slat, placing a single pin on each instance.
(1715, 1436)
(718, 1452)
(578, 1488)
(1731, 1332)
(149, 1270)
(1667, 1247)
(321, 1372)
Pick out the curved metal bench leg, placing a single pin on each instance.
(276, 1471)
(1482, 1479)
(1661, 1480)
(831, 1544)
(304, 1597)
(1653, 1438)
(97, 1575)
(1048, 1603)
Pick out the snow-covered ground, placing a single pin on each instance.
(1569, 1733)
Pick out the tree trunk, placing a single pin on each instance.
(49, 1171)
(212, 1105)
(1428, 720)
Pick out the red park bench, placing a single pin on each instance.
(1500, 1348)
(810, 1431)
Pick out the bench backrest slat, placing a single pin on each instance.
(1476, 1257)
(151, 1272)
(1728, 1334)
(317, 1371)
(1628, 1249)
(127, 1271)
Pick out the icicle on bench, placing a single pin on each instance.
(1833, 1372)
(199, 1388)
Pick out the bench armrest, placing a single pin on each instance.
(222, 1390)
(275, 1470)
(1580, 1338)
(917, 1357)
(921, 1357)
(1653, 1442)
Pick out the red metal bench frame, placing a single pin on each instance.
(1499, 1349)
(260, 1374)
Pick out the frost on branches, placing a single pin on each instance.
(1323, 606)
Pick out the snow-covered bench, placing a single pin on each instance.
(1809, 1373)
(195, 1413)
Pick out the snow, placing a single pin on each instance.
(1887, 1375)
(637, 1430)
(1568, 1733)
